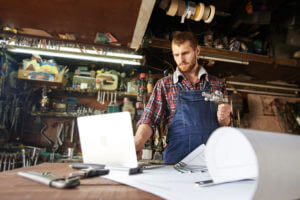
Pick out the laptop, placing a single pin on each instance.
(108, 139)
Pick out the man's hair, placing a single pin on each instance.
(182, 37)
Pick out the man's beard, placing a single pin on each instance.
(187, 67)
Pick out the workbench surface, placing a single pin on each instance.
(13, 186)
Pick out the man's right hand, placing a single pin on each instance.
(143, 133)
(139, 154)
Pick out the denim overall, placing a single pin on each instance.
(194, 120)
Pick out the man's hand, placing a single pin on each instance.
(142, 134)
(223, 114)
(139, 154)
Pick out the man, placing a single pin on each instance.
(179, 99)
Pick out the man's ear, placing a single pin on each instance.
(198, 50)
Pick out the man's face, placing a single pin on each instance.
(185, 56)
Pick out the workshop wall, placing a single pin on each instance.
(264, 114)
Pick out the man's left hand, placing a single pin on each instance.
(223, 114)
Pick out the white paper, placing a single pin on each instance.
(168, 183)
(196, 157)
(193, 162)
(272, 158)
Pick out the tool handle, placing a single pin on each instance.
(86, 165)
(90, 172)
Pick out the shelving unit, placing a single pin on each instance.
(237, 56)
(69, 49)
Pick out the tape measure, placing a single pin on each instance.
(188, 10)
(173, 8)
(199, 12)
(211, 14)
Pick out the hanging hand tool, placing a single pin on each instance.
(115, 104)
(23, 157)
(98, 97)
(9, 161)
(59, 133)
(36, 157)
(72, 131)
(110, 105)
(14, 161)
(103, 98)
(43, 129)
(66, 130)
(5, 162)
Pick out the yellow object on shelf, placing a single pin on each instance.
(48, 69)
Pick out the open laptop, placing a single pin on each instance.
(108, 139)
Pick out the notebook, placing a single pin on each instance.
(108, 139)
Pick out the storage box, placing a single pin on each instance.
(41, 77)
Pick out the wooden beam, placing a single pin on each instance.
(142, 23)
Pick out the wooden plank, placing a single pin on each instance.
(142, 22)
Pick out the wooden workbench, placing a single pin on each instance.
(13, 186)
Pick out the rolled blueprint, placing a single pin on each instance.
(271, 158)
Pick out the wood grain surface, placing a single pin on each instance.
(13, 186)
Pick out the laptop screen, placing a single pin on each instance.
(107, 139)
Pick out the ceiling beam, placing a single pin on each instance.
(142, 22)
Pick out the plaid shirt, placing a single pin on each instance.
(163, 99)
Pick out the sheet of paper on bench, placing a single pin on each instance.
(272, 158)
(196, 157)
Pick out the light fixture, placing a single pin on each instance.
(100, 52)
(292, 89)
(262, 92)
(266, 89)
(77, 53)
(224, 59)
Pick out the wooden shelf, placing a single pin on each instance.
(286, 61)
(94, 91)
(55, 114)
(74, 43)
(221, 53)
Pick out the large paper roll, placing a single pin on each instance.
(270, 158)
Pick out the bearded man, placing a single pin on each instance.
(178, 99)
